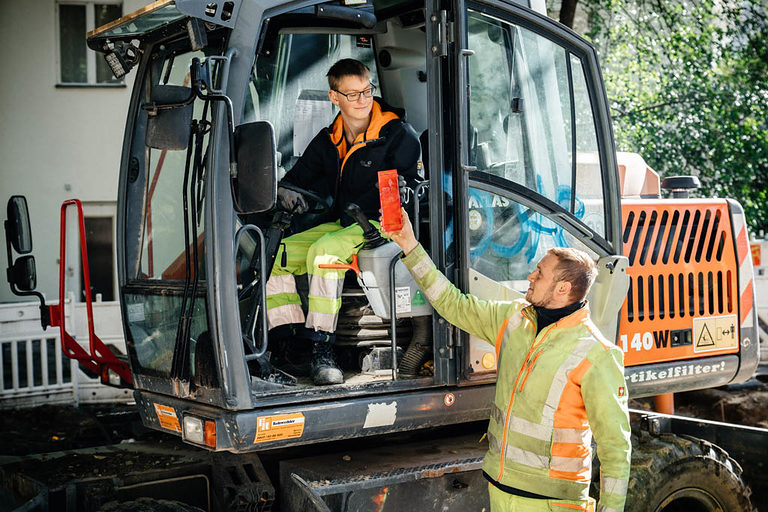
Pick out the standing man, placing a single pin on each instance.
(342, 162)
(559, 382)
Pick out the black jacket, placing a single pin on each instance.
(388, 143)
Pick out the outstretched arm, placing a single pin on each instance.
(480, 318)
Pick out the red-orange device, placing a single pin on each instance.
(389, 193)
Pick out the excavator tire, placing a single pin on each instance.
(148, 505)
(672, 473)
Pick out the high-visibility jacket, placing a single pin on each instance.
(554, 391)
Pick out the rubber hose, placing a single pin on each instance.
(420, 346)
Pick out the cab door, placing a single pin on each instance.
(536, 154)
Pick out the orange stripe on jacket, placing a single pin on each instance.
(499, 337)
(377, 122)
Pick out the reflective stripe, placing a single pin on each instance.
(434, 291)
(287, 314)
(572, 435)
(530, 459)
(497, 415)
(285, 283)
(326, 287)
(561, 379)
(421, 268)
(529, 428)
(613, 485)
(322, 321)
(494, 444)
(570, 464)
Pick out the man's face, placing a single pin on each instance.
(358, 110)
(541, 289)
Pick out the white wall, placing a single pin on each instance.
(52, 137)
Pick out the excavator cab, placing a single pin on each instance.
(517, 155)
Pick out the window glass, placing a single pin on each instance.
(72, 46)
(289, 86)
(163, 255)
(79, 65)
(521, 116)
(507, 239)
(98, 241)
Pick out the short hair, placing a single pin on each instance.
(575, 267)
(346, 67)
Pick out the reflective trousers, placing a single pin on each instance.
(505, 502)
(327, 243)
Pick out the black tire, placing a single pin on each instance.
(673, 473)
(148, 505)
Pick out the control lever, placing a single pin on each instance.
(371, 236)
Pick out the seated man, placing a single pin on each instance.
(341, 161)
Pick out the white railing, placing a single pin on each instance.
(33, 370)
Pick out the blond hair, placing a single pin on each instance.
(576, 267)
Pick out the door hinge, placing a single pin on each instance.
(443, 31)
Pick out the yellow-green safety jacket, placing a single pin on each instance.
(554, 391)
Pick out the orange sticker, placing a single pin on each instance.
(756, 256)
(167, 417)
(280, 426)
(449, 399)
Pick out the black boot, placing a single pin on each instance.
(325, 370)
(291, 352)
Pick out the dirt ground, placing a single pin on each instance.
(59, 428)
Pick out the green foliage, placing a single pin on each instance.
(688, 86)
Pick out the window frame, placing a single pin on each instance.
(90, 56)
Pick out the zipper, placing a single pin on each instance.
(535, 345)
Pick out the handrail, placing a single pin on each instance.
(99, 359)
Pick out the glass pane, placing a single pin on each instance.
(103, 14)
(163, 246)
(145, 23)
(98, 241)
(289, 86)
(507, 239)
(520, 121)
(588, 170)
(152, 323)
(72, 44)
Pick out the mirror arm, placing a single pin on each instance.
(45, 315)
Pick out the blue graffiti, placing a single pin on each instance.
(532, 225)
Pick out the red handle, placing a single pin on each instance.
(343, 266)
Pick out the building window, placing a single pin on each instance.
(78, 64)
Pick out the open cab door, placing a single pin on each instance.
(536, 161)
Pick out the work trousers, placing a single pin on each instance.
(504, 502)
(328, 243)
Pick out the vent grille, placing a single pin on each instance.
(681, 261)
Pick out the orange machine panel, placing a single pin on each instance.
(682, 301)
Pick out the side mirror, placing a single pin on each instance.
(170, 117)
(23, 274)
(254, 189)
(17, 230)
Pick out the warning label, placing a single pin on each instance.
(280, 426)
(715, 333)
(403, 299)
(167, 417)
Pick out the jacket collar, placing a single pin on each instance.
(579, 316)
(381, 114)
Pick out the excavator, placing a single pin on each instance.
(518, 156)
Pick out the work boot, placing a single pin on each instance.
(291, 352)
(325, 370)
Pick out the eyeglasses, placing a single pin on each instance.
(354, 96)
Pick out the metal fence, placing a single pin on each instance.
(33, 370)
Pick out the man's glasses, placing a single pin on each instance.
(354, 96)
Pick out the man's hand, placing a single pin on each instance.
(404, 237)
(291, 201)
